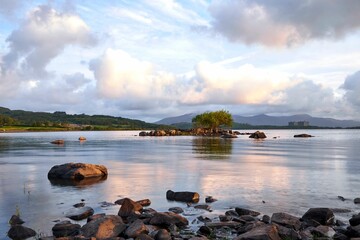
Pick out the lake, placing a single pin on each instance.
(283, 174)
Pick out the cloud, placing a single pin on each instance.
(8, 7)
(43, 36)
(284, 22)
(352, 89)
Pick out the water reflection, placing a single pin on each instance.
(77, 183)
(212, 148)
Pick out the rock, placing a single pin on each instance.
(183, 196)
(144, 202)
(266, 219)
(142, 134)
(257, 135)
(58, 142)
(108, 226)
(303, 135)
(15, 220)
(224, 218)
(287, 233)
(77, 205)
(355, 220)
(210, 199)
(168, 218)
(341, 198)
(20, 232)
(262, 232)
(162, 234)
(323, 231)
(205, 230)
(340, 236)
(81, 138)
(203, 207)
(230, 224)
(232, 213)
(324, 216)
(135, 229)
(128, 207)
(95, 216)
(144, 237)
(65, 228)
(77, 171)
(176, 210)
(357, 200)
(80, 213)
(244, 211)
(228, 135)
(286, 220)
(353, 231)
(247, 218)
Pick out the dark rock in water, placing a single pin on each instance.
(77, 205)
(65, 229)
(286, 220)
(183, 196)
(303, 135)
(135, 229)
(232, 213)
(224, 218)
(80, 213)
(210, 199)
(77, 171)
(257, 135)
(119, 201)
(244, 211)
(324, 216)
(357, 200)
(95, 216)
(287, 233)
(15, 220)
(144, 237)
(162, 234)
(261, 232)
(168, 218)
(341, 198)
(176, 210)
(128, 207)
(20, 232)
(355, 220)
(203, 207)
(266, 219)
(58, 141)
(82, 138)
(109, 226)
(205, 230)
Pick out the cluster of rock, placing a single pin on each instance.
(193, 132)
(62, 141)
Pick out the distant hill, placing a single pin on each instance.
(50, 119)
(265, 120)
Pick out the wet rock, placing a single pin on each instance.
(144, 202)
(341, 198)
(232, 213)
(58, 142)
(355, 220)
(20, 232)
(77, 205)
(266, 219)
(248, 218)
(162, 234)
(340, 236)
(224, 218)
(258, 135)
(324, 216)
(168, 218)
(203, 219)
(65, 228)
(77, 171)
(303, 135)
(210, 199)
(286, 220)
(95, 216)
(135, 229)
(353, 231)
(323, 231)
(109, 226)
(183, 196)
(144, 237)
(128, 207)
(230, 224)
(357, 200)
(80, 213)
(203, 207)
(176, 210)
(287, 233)
(262, 232)
(244, 211)
(15, 220)
(205, 230)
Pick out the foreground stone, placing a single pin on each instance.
(77, 171)
(261, 232)
(128, 207)
(104, 227)
(168, 218)
(136, 228)
(20, 232)
(323, 216)
(183, 196)
(286, 220)
(79, 213)
(65, 229)
(258, 135)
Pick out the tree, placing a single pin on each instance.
(213, 120)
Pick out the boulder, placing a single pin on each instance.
(286, 220)
(128, 207)
(183, 196)
(135, 229)
(142, 134)
(323, 231)
(257, 135)
(355, 220)
(58, 142)
(303, 135)
(210, 199)
(109, 226)
(79, 213)
(77, 171)
(287, 233)
(15, 220)
(324, 216)
(20, 232)
(357, 200)
(167, 219)
(65, 229)
(244, 211)
(144, 202)
(162, 234)
(261, 232)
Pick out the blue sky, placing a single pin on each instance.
(158, 58)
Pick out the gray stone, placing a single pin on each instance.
(324, 216)
(15, 220)
(286, 220)
(357, 200)
(323, 231)
(176, 210)
(20, 232)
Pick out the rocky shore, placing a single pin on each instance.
(136, 220)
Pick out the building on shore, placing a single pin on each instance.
(299, 124)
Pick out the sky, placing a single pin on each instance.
(150, 59)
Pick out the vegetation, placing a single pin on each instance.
(213, 120)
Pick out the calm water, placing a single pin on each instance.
(289, 174)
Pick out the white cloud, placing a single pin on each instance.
(8, 7)
(284, 22)
(352, 89)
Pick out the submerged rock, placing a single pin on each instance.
(303, 135)
(79, 213)
(77, 171)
